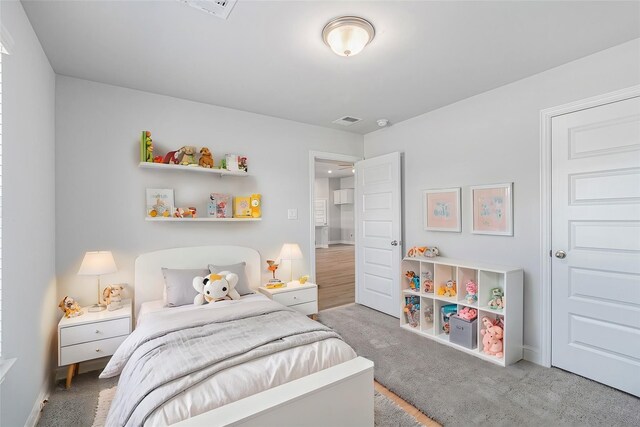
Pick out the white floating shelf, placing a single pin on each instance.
(222, 172)
(173, 219)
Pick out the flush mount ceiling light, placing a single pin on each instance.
(348, 35)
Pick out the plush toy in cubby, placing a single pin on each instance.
(492, 336)
(412, 310)
(414, 280)
(427, 282)
(446, 311)
(448, 289)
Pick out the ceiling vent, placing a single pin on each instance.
(221, 8)
(347, 120)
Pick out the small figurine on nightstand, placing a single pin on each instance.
(70, 307)
(272, 267)
(112, 296)
(497, 300)
(414, 281)
(472, 292)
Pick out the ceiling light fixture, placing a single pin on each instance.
(348, 35)
(330, 171)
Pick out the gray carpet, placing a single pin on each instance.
(456, 389)
(76, 407)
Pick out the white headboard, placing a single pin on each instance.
(149, 282)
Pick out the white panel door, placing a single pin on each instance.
(596, 243)
(378, 233)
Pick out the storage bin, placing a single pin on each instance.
(463, 332)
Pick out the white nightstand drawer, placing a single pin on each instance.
(89, 350)
(94, 331)
(296, 297)
(308, 308)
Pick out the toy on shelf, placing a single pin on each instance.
(189, 212)
(158, 159)
(423, 251)
(414, 281)
(428, 314)
(427, 282)
(221, 205)
(172, 157)
(446, 311)
(412, 310)
(256, 205)
(70, 307)
(497, 299)
(242, 207)
(272, 267)
(472, 292)
(146, 147)
(160, 209)
(242, 164)
(448, 289)
(188, 155)
(468, 314)
(492, 336)
(206, 158)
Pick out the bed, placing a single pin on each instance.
(268, 364)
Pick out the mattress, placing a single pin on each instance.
(244, 380)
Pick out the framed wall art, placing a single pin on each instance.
(492, 209)
(441, 210)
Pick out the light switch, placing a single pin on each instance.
(292, 214)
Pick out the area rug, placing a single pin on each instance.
(456, 389)
(87, 404)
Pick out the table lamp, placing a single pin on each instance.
(291, 251)
(97, 264)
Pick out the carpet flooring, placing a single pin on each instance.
(456, 389)
(76, 407)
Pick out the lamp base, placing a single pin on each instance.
(95, 308)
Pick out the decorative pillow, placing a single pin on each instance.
(242, 286)
(178, 284)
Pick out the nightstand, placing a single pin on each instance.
(302, 298)
(91, 336)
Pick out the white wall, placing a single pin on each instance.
(494, 138)
(29, 286)
(335, 224)
(347, 218)
(100, 190)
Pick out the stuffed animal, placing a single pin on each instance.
(188, 155)
(70, 307)
(472, 292)
(414, 281)
(448, 289)
(172, 157)
(112, 296)
(215, 287)
(497, 300)
(492, 341)
(416, 251)
(206, 158)
(427, 282)
(468, 314)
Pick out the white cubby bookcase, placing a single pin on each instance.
(487, 277)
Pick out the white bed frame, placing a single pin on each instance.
(338, 396)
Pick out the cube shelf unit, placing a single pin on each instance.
(487, 277)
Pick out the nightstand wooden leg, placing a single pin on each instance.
(70, 370)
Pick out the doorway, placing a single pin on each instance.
(594, 260)
(334, 231)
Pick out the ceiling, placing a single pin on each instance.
(269, 58)
(338, 169)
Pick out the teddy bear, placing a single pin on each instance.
(215, 287)
(497, 300)
(112, 296)
(494, 345)
(448, 290)
(206, 158)
(188, 155)
(70, 307)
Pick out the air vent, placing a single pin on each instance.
(347, 120)
(221, 9)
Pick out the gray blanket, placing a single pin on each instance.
(160, 361)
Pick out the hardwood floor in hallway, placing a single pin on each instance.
(336, 276)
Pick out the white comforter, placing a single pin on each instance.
(244, 380)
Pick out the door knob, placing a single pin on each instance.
(561, 254)
(394, 243)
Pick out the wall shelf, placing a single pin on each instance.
(487, 277)
(206, 219)
(221, 172)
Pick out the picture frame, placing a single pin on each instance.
(442, 209)
(492, 207)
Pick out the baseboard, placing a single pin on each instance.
(532, 355)
(91, 365)
(36, 411)
(341, 242)
(322, 246)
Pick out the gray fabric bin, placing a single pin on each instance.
(463, 333)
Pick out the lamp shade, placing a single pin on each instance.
(290, 251)
(97, 263)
